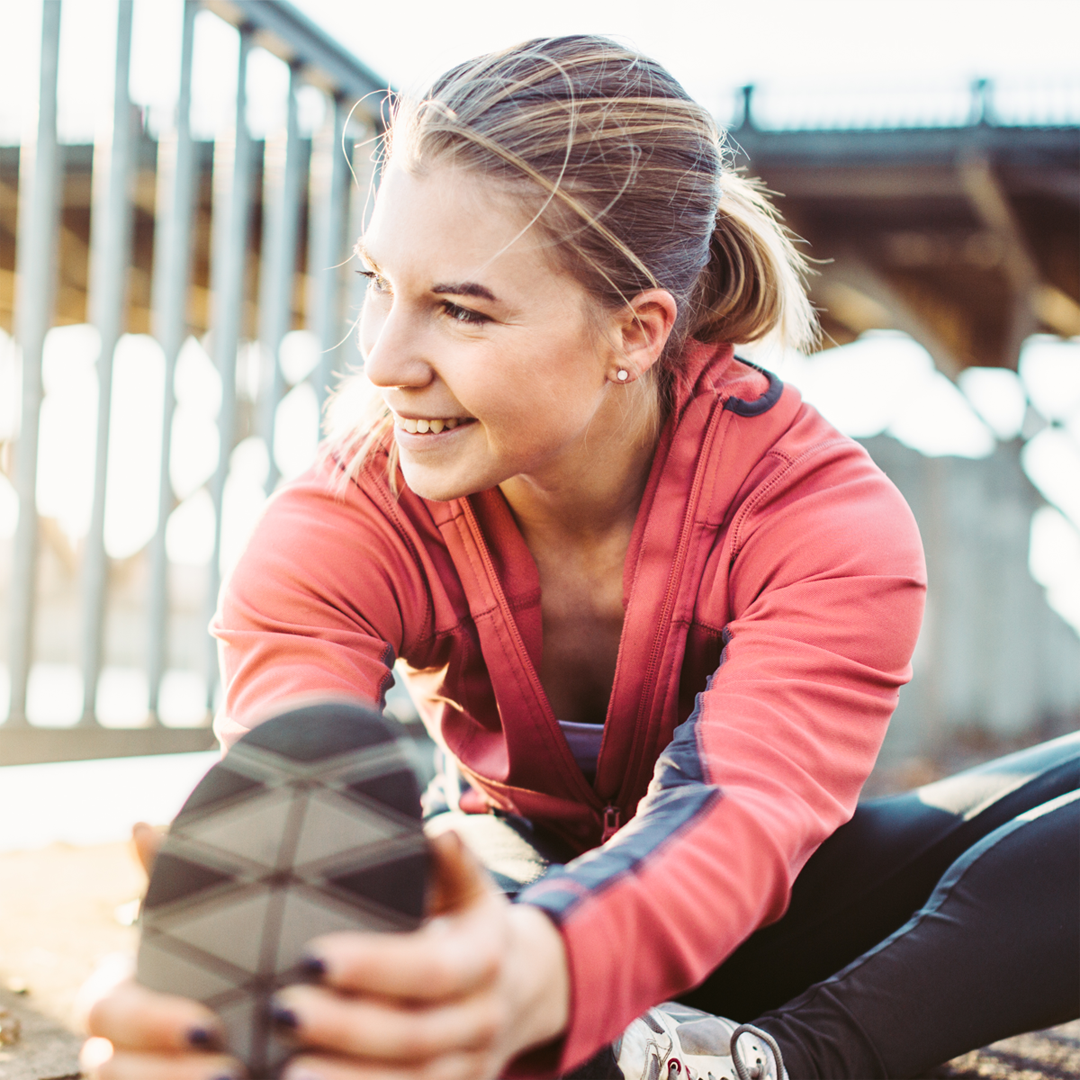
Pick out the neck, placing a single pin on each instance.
(592, 495)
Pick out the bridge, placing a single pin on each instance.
(964, 237)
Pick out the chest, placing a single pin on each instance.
(582, 614)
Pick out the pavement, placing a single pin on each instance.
(65, 909)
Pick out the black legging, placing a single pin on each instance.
(931, 924)
(950, 916)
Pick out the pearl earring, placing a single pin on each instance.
(623, 375)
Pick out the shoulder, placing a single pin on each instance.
(329, 535)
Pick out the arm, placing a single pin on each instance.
(323, 600)
(324, 597)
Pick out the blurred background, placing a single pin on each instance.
(180, 185)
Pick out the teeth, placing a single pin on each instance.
(422, 427)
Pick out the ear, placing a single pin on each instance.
(644, 327)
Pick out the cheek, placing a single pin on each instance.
(372, 318)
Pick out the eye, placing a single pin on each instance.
(378, 282)
(463, 315)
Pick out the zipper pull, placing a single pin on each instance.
(612, 823)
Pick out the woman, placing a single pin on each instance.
(658, 612)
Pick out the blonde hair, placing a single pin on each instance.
(630, 181)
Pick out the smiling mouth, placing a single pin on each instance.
(429, 427)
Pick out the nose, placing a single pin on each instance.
(394, 354)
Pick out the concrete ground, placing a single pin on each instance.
(64, 909)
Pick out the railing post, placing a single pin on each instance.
(327, 249)
(39, 188)
(232, 204)
(172, 251)
(110, 251)
(281, 202)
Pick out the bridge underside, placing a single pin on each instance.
(966, 238)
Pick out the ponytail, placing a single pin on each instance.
(754, 282)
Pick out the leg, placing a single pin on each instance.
(514, 851)
(991, 954)
(875, 872)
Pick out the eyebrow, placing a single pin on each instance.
(465, 288)
(451, 288)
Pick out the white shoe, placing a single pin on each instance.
(676, 1042)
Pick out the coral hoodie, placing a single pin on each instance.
(773, 592)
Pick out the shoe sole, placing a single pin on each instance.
(310, 825)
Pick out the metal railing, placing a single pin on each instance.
(308, 211)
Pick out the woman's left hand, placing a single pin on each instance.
(482, 981)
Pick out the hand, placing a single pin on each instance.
(138, 1034)
(479, 983)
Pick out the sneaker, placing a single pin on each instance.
(309, 825)
(676, 1042)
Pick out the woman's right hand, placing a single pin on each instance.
(138, 1034)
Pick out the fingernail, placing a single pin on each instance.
(202, 1038)
(284, 1019)
(314, 967)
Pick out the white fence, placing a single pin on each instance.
(172, 300)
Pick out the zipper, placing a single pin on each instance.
(670, 597)
(612, 823)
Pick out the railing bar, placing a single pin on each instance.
(232, 197)
(293, 37)
(328, 248)
(110, 249)
(172, 249)
(40, 169)
(278, 272)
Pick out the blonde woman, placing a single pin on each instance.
(657, 613)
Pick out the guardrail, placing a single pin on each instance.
(308, 209)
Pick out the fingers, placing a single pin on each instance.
(464, 1066)
(147, 841)
(444, 959)
(389, 1032)
(450, 956)
(138, 1019)
(98, 1062)
(458, 879)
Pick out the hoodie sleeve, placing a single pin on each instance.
(322, 601)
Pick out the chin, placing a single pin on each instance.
(438, 488)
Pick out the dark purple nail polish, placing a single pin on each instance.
(314, 967)
(283, 1019)
(202, 1038)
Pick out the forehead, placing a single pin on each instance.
(451, 221)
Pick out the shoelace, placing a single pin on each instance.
(757, 1072)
